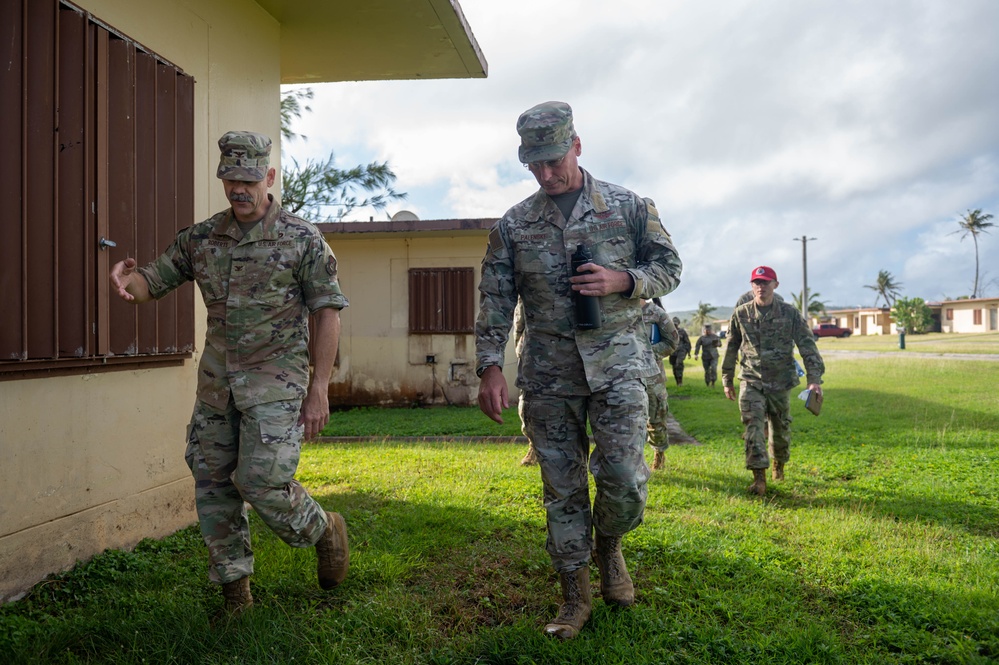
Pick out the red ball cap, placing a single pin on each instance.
(763, 273)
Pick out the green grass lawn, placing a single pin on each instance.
(987, 343)
(880, 547)
(417, 422)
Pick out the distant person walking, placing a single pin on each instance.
(707, 347)
(765, 331)
(681, 353)
(664, 342)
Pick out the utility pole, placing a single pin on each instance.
(804, 275)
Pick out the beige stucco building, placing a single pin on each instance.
(860, 320)
(968, 315)
(407, 336)
(92, 418)
(975, 315)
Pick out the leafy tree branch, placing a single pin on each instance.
(320, 191)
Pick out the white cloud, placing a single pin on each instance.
(870, 126)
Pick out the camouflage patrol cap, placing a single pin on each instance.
(546, 132)
(245, 156)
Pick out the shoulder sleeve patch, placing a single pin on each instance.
(654, 223)
(495, 240)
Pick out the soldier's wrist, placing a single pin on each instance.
(479, 371)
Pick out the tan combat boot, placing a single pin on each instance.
(778, 473)
(615, 582)
(531, 458)
(333, 552)
(659, 461)
(759, 486)
(577, 603)
(237, 596)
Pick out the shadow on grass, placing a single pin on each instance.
(694, 607)
(897, 455)
(805, 490)
(421, 573)
(911, 421)
(432, 582)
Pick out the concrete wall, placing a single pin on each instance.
(94, 462)
(380, 362)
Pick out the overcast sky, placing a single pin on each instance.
(870, 126)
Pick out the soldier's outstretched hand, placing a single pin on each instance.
(129, 284)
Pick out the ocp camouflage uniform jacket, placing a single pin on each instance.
(669, 338)
(529, 256)
(683, 347)
(707, 345)
(259, 290)
(767, 344)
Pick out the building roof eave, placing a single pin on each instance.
(368, 40)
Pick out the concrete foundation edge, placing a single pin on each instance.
(29, 556)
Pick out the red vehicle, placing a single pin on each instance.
(830, 330)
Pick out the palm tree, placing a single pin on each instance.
(974, 222)
(702, 316)
(815, 306)
(887, 288)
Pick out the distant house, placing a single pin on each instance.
(969, 316)
(861, 320)
(408, 335)
(111, 111)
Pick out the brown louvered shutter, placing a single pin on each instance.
(441, 300)
(98, 135)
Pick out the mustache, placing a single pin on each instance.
(241, 198)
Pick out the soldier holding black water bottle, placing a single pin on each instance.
(581, 254)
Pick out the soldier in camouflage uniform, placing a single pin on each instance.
(654, 315)
(707, 346)
(748, 296)
(681, 353)
(568, 376)
(261, 272)
(765, 331)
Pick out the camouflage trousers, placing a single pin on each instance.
(710, 365)
(557, 426)
(758, 409)
(658, 412)
(676, 362)
(248, 456)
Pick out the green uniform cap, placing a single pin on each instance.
(546, 132)
(245, 156)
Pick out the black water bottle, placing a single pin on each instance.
(587, 307)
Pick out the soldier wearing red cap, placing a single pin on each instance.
(764, 331)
